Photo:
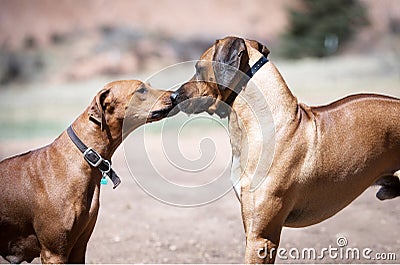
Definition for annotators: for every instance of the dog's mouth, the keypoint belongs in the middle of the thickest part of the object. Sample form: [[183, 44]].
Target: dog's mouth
[[157, 115], [197, 105]]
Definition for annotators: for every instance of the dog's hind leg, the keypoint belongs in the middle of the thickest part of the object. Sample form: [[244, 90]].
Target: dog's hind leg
[[390, 187]]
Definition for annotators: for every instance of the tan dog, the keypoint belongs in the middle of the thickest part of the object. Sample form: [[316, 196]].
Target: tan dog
[[50, 196], [324, 156]]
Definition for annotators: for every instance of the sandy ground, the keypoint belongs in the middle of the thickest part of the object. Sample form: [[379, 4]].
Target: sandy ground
[[133, 227]]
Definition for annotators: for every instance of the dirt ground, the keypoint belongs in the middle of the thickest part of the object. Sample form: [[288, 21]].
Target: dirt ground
[[133, 227]]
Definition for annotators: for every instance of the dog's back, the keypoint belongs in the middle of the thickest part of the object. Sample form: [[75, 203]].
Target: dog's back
[[355, 134], [352, 151]]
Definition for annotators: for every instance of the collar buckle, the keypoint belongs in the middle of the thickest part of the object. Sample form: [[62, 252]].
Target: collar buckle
[[92, 157]]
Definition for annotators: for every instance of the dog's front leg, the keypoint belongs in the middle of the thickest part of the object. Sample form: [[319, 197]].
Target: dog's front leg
[[49, 257], [263, 217], [78, 252]]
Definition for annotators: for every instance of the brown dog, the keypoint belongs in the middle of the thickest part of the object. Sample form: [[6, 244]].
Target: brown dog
[[50, 196], [323, 158]]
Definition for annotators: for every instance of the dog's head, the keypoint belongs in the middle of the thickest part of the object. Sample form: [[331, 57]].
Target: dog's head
[[130, 100], [218, 71]]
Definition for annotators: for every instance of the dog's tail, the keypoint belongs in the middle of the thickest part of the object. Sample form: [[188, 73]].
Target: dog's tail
[[390, 187]]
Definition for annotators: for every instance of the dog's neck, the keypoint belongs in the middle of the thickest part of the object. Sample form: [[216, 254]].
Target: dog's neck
[[105, 142], [280, 99], [260, 116], [267, 91], [263, 109]]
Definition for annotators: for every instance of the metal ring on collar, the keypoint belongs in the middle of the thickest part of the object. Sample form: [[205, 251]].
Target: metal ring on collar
[[109, 167]]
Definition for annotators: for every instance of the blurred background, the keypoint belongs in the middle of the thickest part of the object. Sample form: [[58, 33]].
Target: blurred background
[[46, 44], [55, 56]]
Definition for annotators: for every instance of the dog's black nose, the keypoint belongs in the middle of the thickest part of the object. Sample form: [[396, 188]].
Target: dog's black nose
[[174, 97]]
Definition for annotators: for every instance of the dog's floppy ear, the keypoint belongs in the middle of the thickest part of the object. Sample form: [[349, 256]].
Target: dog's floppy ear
[[260, 47], [96, 110], [230, 56]]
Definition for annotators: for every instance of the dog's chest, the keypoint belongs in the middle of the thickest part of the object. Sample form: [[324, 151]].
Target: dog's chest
[[235, 175], [252, 142], [235, 138]]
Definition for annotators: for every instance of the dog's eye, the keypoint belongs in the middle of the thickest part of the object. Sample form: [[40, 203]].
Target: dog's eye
[[141, 90]]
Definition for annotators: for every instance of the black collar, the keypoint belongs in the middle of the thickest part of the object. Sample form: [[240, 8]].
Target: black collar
[[242, 83], [94, 159]]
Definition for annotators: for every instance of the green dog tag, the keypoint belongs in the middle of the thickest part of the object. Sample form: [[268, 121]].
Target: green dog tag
[[103, 181]]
